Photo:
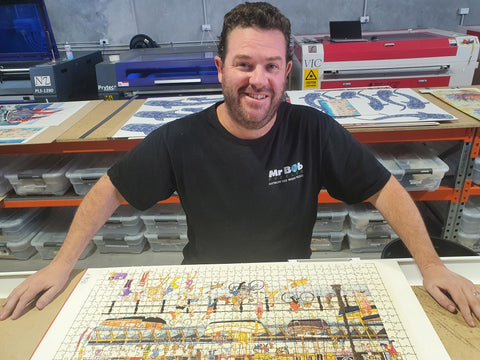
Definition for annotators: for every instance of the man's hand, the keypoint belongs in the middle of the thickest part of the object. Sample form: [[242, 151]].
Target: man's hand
[[44, 284], [453, 291]]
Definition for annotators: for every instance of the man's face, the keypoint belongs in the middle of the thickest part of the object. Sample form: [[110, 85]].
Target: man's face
[[253, 76]]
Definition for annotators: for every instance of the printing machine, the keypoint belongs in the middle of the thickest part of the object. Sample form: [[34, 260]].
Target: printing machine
[[396, 58], [31, 68], [158, 71]]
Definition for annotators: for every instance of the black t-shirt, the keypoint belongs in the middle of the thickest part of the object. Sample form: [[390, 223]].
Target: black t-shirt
[[249, 200]]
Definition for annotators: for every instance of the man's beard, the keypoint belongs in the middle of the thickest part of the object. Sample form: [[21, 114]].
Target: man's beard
[[239, 114]]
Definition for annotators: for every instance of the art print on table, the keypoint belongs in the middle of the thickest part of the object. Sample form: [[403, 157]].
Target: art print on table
[[38, 115], [465, 100], [373, 106], [18, 135], [156, 112]]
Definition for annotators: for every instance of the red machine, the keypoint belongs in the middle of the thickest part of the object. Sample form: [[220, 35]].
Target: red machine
[[397, 58]]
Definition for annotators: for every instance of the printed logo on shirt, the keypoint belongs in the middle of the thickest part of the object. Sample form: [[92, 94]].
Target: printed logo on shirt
[[285, 174]]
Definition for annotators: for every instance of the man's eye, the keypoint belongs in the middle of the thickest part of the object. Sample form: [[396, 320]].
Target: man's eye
[[243, 65]]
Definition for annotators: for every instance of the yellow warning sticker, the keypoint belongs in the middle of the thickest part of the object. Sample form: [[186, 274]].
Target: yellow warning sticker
[[310, 79]]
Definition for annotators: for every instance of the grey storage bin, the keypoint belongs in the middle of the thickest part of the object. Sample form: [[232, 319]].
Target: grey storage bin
[[161, 243], [20, 250], [471, 241], [330, 217], [131, 244], [16, 224], [89, 169], [470, 222], [422, 169], [375, 242], [476, 171], [42, 175], [165, 219], [124, 221], [49, 240], [365, 218], [7, 163], [327, 241]]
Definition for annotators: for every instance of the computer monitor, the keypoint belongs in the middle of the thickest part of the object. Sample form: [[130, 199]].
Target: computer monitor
[[341, 31], [25, 32]]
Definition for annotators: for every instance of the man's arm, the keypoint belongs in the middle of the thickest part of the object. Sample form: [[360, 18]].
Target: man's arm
[[398, 208], [97, 206]]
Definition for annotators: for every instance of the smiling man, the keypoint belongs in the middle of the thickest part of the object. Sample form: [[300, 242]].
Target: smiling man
[[248, 172]]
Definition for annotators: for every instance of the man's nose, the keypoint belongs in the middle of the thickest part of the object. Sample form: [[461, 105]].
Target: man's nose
[[258, 77]]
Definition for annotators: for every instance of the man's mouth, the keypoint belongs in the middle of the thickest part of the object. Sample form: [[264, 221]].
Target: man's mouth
[[257, 96]]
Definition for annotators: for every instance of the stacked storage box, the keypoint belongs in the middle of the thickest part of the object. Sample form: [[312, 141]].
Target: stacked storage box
[[469, 233], [51, 237], [89, 168], [41, 175], [123, 232], [329, 228], [7, 163], [368, 232], [476, 171], [166, 227], [414, 165], [17, 229]]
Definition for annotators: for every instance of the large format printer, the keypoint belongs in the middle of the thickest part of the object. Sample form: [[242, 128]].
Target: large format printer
[[158, 71], [396, 58], [31, 68]]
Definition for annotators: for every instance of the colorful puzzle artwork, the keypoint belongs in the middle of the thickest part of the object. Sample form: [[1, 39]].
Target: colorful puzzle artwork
[[372, 106], [39, 115], [466, 100], [286, 311], [156, 112]]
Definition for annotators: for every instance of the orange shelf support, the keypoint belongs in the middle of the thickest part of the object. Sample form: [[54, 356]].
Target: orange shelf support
[[25, 202]]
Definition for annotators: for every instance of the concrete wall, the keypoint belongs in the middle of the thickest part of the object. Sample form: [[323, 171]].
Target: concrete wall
[[88, 21]]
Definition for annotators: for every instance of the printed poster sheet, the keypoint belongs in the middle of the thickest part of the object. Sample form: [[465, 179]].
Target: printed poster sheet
[[156, 112], [20, 123], [372, 106], [295, 310], [465, 100]]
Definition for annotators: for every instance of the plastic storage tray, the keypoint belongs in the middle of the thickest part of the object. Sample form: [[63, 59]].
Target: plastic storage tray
[[359, 242], [161, 243], [470, 222], [20, 250], [422, 169], [89, 169], [7, 163], [366, 219], [131, 244], [42, 175], [124, 221], [386, 158], [49, 240], [330, 217], [476, 171], [165, 219], [327, 241], [471, 241], [16, 224]]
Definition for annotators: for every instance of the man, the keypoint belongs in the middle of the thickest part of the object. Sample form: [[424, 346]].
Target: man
[[248, 172]]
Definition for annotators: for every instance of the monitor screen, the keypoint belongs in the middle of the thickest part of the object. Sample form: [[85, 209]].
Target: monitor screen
[[345, 30], [25, 32]]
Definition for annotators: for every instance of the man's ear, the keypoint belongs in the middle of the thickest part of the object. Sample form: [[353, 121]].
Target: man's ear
[[288, 68], [219, 65]]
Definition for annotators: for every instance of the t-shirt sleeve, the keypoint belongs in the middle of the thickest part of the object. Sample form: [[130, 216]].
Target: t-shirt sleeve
[[351, 172], [144, 175]]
